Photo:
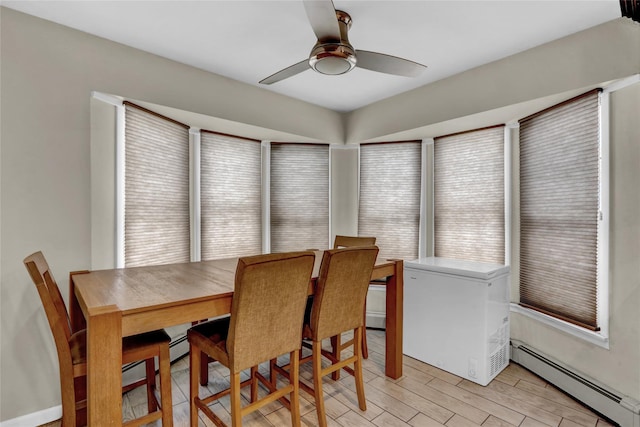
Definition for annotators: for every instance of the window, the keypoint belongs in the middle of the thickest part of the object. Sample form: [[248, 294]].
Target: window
[[229, 196], [158, 209], [389, 206], [469, 207], [299, 196], [156, 189], [559, 210]]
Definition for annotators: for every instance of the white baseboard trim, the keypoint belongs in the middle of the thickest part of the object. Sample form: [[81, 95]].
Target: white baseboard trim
[[619, 408], [35, 418]]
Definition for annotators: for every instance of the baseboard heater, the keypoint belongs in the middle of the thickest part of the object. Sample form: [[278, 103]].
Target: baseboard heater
[[623, 410], [376, 306]]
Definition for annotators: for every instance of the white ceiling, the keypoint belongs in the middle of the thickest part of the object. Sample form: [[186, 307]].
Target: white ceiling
[[250, 40]]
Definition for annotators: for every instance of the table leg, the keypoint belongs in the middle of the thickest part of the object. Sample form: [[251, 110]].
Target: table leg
[[104, 367], [394, 304], [76, 316]]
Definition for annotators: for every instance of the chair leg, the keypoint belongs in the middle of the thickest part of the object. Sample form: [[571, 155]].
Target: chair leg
[[357, 368], [236, 414], [317, 383], [194, 373], [336, 344], [204, 369], [69, 415], [204, 361], [273, 375], [254, 384], [164, 360], [294, 379], [365, 348], [74, 413], [152, 404]]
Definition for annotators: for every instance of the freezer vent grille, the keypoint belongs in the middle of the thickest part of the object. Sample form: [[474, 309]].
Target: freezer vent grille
[[498, 360], [499, 351]]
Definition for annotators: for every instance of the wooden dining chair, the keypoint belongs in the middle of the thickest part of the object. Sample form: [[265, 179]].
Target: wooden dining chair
[[267, 310], [340, 291], [336, 344], [351, 241], [72, 345]]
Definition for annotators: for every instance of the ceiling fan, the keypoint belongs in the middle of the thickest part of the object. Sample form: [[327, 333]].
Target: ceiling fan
[[334, 55]]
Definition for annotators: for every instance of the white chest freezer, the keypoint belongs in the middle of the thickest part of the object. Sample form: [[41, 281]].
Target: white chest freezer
[[456, 316]]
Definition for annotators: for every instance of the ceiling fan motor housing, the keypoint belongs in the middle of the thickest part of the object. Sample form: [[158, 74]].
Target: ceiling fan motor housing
[[334, 57]]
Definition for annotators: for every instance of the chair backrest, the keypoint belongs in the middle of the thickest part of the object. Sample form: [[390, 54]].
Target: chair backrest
[[53, 304], [350, 241], [268, 305], [341, 290]]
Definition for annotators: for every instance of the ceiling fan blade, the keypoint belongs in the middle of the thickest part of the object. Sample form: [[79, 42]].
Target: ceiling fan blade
[[322, 16], [388, 64], [287, 72]]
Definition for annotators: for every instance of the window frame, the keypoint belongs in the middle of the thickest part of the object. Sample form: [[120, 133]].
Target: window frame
[[270, 193], [424, 143], [121, 149], [601, 336], [506, 178], [205, 136]]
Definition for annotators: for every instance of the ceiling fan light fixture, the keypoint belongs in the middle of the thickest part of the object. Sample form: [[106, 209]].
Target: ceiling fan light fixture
[[332, 58], [333, 54]]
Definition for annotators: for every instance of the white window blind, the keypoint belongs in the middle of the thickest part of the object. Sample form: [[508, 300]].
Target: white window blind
[[299, 196], [559, 208], [230, 205], [389, 206], [469, 195], [156, 196]]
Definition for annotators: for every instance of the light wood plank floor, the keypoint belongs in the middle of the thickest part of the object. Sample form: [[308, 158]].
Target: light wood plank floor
[[424, 397]]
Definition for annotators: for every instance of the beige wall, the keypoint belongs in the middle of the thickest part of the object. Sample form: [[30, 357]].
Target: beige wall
[[103, 185], [344, 191], [48, 73]]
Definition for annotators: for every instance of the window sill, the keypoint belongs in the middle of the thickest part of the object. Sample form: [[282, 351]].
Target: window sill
[[598, 338]]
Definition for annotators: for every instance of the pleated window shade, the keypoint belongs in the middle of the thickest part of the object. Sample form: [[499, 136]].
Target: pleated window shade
[[230, 197], [389, 206], [559, 208], [469, 195], [299, 196], [156, 199]]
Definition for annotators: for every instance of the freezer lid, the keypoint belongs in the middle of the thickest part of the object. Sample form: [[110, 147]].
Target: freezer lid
[[458, 267]]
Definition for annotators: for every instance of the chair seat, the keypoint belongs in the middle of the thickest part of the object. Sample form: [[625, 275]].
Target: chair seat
[[78, 343], [211, 337]]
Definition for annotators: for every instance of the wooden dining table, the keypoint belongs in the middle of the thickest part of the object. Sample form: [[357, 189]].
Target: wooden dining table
[[116, 303]]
